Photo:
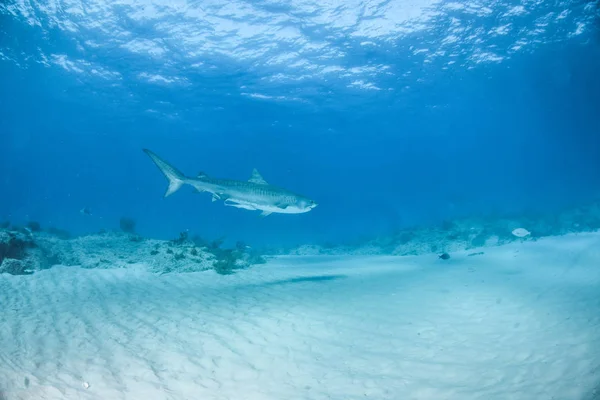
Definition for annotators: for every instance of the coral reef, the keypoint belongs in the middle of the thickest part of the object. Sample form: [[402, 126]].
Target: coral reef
[[22, 253], [17, 253], [34, 226], [127, 225], [228, 260], [14, 267], [14, 245], [465, 234], [23, 250]]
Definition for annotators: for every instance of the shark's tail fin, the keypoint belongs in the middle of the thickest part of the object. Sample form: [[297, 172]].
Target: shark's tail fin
[[175, 177]]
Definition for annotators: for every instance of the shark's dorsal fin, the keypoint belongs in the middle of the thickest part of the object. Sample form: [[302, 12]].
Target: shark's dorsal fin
[[257, 178], [202, 175]]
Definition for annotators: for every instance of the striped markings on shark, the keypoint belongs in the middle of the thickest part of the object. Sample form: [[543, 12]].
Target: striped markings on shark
[[253, 194]]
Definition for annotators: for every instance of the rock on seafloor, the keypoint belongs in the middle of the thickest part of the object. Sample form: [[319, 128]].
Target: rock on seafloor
[[23, 253]]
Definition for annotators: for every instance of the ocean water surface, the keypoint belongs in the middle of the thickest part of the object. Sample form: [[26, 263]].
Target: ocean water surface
[[452, 149]]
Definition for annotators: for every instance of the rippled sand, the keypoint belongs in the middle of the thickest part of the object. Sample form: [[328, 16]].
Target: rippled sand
[[518, 322]]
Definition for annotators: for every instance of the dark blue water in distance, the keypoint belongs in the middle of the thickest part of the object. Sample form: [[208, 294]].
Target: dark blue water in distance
[[387, 115]]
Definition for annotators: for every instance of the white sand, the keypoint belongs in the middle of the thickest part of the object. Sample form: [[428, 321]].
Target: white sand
[[519, 322]]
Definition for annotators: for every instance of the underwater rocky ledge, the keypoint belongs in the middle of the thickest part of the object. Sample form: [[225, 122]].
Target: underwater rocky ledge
[[24, 250], [465, 234]]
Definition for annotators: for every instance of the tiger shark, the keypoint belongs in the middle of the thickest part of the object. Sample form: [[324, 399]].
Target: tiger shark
[[253, 194]]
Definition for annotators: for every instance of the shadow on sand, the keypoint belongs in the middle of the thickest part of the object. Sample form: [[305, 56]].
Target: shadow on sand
[[301, 279]]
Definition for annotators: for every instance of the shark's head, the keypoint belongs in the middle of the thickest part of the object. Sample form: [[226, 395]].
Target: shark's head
[[303, 204]]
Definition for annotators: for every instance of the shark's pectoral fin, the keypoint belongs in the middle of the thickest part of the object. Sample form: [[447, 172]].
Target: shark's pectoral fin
[[232, 203], [265, 213]]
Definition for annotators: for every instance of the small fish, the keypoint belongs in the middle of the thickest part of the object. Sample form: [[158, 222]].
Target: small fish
[[444, 256], [85, 211], [521, 232]]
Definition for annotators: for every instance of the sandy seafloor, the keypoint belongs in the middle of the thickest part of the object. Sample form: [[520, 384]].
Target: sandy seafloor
[[521, 321]]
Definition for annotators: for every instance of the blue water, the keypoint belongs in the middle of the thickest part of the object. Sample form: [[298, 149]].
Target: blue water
[[387, 114]]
